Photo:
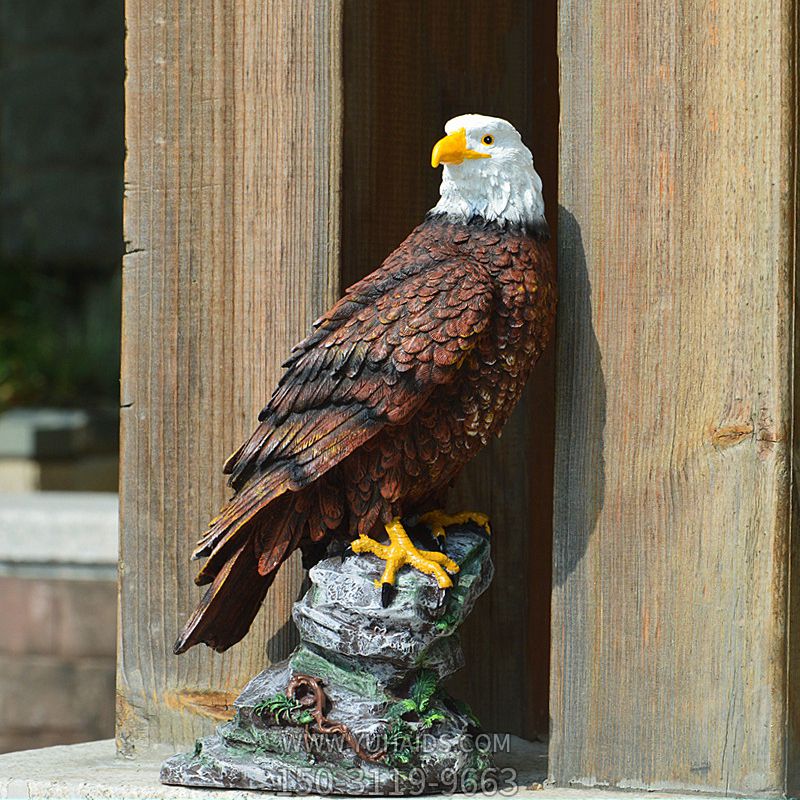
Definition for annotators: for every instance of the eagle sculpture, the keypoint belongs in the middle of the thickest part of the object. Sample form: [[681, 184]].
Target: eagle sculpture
[[396, 388]]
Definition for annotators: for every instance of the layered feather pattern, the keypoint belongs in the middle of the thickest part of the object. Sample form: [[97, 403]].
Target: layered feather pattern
[[378, 409]]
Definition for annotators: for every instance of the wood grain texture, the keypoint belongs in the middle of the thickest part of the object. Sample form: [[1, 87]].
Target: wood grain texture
[[232, 221], [409, 66], [674, 396]]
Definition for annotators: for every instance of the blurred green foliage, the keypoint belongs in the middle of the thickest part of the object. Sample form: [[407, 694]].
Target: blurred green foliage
[[59, 338]]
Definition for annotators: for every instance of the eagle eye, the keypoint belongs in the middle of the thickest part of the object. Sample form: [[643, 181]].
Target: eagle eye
[[488, 139]]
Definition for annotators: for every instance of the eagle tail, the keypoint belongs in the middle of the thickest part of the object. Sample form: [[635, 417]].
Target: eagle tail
[[230, 604], [242, 575]]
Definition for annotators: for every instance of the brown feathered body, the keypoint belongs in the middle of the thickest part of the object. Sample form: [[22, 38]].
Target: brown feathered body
[[398, 386]]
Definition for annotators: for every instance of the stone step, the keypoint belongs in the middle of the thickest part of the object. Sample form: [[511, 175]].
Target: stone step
[[92, 770]]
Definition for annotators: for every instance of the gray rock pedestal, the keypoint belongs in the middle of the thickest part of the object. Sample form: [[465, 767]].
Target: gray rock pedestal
[[381, 724]]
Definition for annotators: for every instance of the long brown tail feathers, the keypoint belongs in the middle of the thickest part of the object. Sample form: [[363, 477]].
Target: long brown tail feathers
[[230, 605], [246, 553]]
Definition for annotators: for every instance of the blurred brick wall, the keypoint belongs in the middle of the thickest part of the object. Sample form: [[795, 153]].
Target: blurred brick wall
[[57, 661], [58, 617]]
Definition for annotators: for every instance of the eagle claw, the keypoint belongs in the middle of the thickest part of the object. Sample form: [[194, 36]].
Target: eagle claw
[[438, 521], [399, 552], [387, 593]]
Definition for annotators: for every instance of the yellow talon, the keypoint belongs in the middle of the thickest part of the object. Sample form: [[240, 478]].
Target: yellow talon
[[400, 551], [437, 521]]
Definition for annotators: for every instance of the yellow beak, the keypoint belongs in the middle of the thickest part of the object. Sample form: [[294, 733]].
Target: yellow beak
[[453, 149]]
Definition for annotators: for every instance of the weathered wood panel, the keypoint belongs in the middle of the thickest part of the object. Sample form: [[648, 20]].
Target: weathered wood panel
[[674, 395], [232, 222], [409, 66]]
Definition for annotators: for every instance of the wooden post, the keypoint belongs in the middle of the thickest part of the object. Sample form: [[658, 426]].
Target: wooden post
[[671, 608], [232, 221]]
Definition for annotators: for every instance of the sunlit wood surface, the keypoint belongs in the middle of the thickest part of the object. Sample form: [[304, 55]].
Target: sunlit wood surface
[[232, 225], [671, 608]]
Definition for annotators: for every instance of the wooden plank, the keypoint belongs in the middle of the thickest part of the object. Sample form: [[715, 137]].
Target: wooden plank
[[674, 396], [409, 66], [232, 221]]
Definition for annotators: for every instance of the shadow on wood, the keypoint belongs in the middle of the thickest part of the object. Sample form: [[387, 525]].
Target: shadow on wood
[[582, 388]]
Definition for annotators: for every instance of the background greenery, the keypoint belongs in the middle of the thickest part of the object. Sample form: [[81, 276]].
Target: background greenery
[[61, 158], [59, 338]]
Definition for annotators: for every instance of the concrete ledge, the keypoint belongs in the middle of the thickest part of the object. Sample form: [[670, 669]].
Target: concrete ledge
[[46, 449], [57, 433], [58, 620], [93, 771], [59, 534]]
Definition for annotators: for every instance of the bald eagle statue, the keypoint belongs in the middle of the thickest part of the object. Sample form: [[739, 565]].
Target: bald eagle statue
[[395, 389]]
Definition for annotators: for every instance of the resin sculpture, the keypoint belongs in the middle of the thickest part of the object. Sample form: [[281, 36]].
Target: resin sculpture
[[397, 387]]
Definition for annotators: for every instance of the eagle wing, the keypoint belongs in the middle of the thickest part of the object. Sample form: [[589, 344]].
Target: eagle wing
[[371, 361]]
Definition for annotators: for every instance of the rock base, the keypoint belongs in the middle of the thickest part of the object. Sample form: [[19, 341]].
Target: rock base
[[358, 708]]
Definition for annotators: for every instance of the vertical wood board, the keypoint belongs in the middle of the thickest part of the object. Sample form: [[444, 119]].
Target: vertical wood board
[[674, 396], [233, 135]]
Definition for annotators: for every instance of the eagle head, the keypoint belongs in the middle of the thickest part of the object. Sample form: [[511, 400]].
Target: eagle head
[[488, 173]]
